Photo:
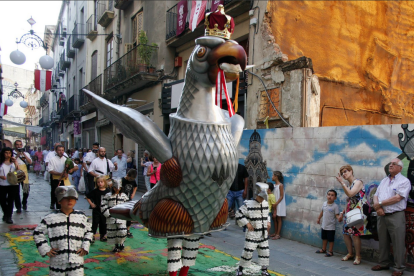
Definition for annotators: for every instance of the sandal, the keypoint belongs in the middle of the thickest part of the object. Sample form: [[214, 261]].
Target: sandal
[[357, 260], [347, 257], [329, 254], [104, 239], [320, 251], [276, 237], [129, 234], [273, 235]]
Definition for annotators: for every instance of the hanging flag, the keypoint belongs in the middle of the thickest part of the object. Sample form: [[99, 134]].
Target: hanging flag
[[43, 80], [198, 10], [215, 4], [3, 110], [182, 16], [77, 129]]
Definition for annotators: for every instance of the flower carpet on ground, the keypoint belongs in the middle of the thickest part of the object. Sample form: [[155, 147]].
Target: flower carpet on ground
[[142, 256]]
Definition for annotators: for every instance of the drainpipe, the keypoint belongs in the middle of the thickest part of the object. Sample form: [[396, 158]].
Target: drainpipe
[[304, 106]]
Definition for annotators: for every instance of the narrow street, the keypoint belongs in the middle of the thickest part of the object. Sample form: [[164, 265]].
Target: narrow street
[[218, 255]]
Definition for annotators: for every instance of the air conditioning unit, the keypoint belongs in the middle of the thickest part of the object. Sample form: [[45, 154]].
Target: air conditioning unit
[[61, 41], [64, 32]]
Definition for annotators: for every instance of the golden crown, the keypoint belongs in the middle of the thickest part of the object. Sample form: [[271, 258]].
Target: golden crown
[[219, 24]]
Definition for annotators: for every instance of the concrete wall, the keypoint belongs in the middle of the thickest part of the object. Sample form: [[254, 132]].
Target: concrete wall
[[310, 159]]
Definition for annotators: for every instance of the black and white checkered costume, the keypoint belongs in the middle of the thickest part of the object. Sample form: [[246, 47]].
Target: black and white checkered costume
[[189, 246], [258, 215], [68, 234], [116, 228]]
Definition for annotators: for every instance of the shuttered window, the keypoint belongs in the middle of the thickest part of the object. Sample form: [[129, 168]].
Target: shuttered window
[[94, 67], [137, 26], [107, 140]]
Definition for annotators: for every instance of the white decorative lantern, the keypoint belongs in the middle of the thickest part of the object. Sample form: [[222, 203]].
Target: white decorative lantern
[[23, 104], [46, 62], [17, 57], [8, 102]]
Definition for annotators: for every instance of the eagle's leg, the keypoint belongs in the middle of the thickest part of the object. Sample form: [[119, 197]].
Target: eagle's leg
[[221, 217]]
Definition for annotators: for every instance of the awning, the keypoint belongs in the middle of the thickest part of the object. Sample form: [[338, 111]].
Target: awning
[[15, 131], [36, 129]]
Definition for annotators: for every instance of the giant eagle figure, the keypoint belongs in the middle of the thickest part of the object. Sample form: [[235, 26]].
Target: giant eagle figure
[[200, 154]]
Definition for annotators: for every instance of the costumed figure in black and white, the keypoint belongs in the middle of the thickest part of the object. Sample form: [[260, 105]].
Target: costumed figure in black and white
[[69, 233], [255, 215], [116, 228]]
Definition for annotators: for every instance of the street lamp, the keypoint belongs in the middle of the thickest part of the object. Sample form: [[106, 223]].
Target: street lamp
[[33, 41], [16, 94]]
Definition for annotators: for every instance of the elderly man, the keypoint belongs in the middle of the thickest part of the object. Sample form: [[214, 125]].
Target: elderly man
[[122, 164], [390, 201], [101, 165], [23, 159]]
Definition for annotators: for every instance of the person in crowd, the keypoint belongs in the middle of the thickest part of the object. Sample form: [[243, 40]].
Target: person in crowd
[[355, 192], [37, 166], [50, 155], [154, 172], [69, 234], [238, 190], [75, 153], [8, 163], [329, 214], [62, 99], [95, 198], [85, 151], [279, 193], [271, 201], [90, 156], [76, 176], [390, 201], [58, 172], [145, 164], [121, 171], [101, 165], [45, 152], [117, 231], [39, 156], [131, 160], [23, 158], [254, 215], [130, 188], [32, 154]]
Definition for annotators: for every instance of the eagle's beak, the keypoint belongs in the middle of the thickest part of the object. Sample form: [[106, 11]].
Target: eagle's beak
[[230, 57]]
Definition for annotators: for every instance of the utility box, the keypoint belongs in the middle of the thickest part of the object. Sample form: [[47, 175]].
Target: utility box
[[178, 62]]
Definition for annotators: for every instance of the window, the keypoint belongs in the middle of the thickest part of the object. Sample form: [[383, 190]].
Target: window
[[94, 66], [74, 87], [109, 51], [137, 26], [80, 79]]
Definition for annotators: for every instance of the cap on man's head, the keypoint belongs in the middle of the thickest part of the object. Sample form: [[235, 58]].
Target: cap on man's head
[[65, 191]]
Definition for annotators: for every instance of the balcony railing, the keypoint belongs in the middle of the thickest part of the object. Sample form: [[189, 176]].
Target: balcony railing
[[83, 99], [105, 12], [73, 104], [70, 52], [95, 85], [62, 111], [78, 35], [172, 15], [44, 100], [141, 59], [64, 61], [122, 4], [91, 28]]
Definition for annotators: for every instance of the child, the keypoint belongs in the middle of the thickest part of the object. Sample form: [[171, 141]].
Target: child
[[254, 215], [279, 193], [77, 174], [329, 211], [116, 228], [130, 187], [69, 235], [271, 199], [95, 198], [37, 166]]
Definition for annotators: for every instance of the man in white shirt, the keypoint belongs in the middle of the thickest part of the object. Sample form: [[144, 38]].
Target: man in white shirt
[[56, 167], [90, 156], [122, 165], [101, 165], [390, 201], [23, 159], [75, 154], [49, 156]]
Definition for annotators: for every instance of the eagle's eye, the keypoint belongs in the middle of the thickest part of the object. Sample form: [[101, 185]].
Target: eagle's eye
[[201, 51]]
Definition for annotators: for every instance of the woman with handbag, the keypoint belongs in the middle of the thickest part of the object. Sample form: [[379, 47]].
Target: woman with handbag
[[356, 200], [154, 172]]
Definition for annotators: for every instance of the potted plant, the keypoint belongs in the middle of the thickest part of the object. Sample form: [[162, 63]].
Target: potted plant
[[145, 51]]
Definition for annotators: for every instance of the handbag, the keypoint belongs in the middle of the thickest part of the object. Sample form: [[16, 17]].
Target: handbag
[[81, 186], [354, 218]]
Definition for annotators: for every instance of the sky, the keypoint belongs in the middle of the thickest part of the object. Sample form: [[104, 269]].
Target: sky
[[13, 24]]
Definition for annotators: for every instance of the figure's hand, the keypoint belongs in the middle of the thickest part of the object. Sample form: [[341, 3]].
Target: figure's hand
[[380, 212], [250, 227], [318, 221], [52, 252], [81, 252], [341, 217], [274, 214], [377, 206], [339, 178], [244, 194], [93, 205]]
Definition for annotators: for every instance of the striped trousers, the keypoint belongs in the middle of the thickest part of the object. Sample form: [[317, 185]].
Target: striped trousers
[[250, 245], [116, 232], [66, 269], [176, 259]]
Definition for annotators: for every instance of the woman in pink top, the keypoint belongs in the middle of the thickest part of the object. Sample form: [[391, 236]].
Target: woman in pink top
[[154, 172]]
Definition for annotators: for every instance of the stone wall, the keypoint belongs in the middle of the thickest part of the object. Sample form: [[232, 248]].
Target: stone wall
[[310, 159]]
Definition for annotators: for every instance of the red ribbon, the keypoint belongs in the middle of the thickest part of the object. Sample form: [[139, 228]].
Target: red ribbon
[[220, 87]]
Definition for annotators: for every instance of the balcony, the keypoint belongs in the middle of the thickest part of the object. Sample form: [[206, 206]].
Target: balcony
[[70, 52], [62, 112], [78, 35], [91, 28], [132, 71], [122, 4], [105, 12], [64, 61], [94, 86], [233, 8], [44, 100]]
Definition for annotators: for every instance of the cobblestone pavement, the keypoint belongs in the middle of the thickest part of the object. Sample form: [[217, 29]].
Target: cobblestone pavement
[[286, 257]]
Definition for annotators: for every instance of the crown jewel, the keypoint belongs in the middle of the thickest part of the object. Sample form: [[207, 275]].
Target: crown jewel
[[219, 24]]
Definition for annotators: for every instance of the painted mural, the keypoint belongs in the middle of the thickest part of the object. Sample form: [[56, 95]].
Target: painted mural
[[310, 159]]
